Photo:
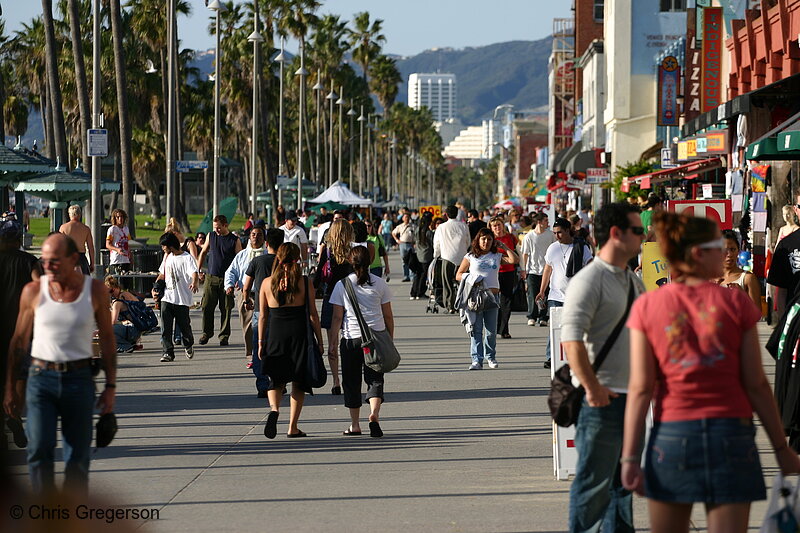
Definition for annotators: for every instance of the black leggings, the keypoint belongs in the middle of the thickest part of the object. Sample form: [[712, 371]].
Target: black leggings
[[507, 282], [352, 358], [420, 281]]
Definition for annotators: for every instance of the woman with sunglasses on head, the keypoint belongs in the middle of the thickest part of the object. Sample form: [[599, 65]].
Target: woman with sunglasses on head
[[507, 275], [486, 256], [733, 276], [126, 334], [695, 352], [117, 240]]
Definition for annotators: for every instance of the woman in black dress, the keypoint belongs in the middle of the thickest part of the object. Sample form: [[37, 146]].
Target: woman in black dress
[[283, 306]]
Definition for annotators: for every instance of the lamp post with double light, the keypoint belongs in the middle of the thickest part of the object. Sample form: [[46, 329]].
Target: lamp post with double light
[[332, 96], [301, 73], [281, 58], [317, 88], [217, 7], [341, 103], [361, 119], [256, 39]]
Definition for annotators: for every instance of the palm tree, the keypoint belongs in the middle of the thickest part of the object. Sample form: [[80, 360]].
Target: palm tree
[[384, 80], [81, 86], [122, 110], [53, 83], [366, 40]]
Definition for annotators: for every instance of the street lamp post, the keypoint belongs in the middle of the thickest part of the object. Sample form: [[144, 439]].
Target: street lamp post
[[340, 102], [256, 39], [170, 185], [350, 113], [302, 73], [332, 96], [318, 88], [361, 119], [216, 6], [280, 58], [97, 202]]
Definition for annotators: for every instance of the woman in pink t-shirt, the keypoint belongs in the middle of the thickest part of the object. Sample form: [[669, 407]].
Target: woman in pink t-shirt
[[695, 353]]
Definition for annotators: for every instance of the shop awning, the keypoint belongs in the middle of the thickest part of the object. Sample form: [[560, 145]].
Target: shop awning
[[687, 171], [564, 156], [785, 146], [582, 161]]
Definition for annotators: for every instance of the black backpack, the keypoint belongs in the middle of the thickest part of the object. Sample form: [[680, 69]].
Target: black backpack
[[576, 257], [142, 317]]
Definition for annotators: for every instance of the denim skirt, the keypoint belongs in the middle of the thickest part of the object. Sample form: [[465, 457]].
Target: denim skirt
[[713, 460]]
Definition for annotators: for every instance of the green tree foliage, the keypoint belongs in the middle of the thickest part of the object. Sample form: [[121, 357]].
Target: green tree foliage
[[628, 170]]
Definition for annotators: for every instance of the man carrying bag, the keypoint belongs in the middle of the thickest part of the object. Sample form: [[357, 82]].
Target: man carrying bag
[[597, 301]]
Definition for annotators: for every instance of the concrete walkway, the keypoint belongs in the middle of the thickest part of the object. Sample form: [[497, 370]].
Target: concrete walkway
[[463, 451]]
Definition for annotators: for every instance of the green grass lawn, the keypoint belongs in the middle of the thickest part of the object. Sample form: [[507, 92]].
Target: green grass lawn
[[40, 227]]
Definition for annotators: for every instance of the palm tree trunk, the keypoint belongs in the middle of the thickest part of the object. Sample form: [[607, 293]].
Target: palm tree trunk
[[49, 135], [124, 120], [81, 84], [51, 63], [270, 174]]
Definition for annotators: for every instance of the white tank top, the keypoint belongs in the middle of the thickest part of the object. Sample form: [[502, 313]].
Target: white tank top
[[62, 331]]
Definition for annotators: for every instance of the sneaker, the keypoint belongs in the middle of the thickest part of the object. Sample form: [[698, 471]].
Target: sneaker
[[137, 347], [412, 297], [531, 322], [493, 364], [543, 323], [475, 366], [405, 280], [249, 365], [189, 352], [547, 364], [203, 340], [167, 358]]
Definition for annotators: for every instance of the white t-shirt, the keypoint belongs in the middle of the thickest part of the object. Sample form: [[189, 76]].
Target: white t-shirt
[[370, 298], [557, 256], [488, 266], [178, 271], [296, 235], [535, 245], [119, 238]]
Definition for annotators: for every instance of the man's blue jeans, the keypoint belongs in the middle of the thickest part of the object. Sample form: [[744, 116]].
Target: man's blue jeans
[[596, 496], [262, 381], [405, 249], [550, 305], [485, 323], [70, 395], [533, 282]]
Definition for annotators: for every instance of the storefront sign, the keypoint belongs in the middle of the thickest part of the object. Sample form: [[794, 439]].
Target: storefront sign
[[717, 142], [691, 148], [708, 191], [435, 210], [711, 84], [717, 210], [669, 76], [595, 176], [683, 150], [701, 145], [692, 68]]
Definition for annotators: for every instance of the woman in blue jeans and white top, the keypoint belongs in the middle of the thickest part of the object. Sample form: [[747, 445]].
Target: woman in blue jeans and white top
[[485, 258], [374, 300]]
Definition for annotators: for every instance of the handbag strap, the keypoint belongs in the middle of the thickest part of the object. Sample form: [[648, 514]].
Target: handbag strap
[[366, 335], [601, 355]]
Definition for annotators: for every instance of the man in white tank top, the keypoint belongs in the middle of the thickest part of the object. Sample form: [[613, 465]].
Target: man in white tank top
[[60, 312]]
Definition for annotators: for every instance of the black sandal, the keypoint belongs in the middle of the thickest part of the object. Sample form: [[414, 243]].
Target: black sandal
[[271, 427], [375, 430], [350, 433]]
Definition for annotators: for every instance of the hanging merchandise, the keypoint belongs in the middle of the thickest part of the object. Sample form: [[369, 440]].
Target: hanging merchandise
[[758, 177]]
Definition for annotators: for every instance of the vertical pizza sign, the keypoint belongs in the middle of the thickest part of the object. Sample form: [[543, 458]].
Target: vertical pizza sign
[[669, 75], [711, 81]]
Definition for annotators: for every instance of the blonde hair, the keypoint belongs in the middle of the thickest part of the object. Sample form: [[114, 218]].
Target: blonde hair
[[112, 283], [173, 226], [788, 215], [74, 211], [339, 238]]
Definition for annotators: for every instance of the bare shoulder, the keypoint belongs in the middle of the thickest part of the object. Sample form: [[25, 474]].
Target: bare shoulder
[[30, 293]]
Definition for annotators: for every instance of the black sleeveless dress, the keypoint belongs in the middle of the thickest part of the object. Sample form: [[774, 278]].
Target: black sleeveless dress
[[286, 354]]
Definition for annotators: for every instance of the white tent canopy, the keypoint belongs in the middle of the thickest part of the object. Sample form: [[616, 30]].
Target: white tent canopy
[[339, 193]]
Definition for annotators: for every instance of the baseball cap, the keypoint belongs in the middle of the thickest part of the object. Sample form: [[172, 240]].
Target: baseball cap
[[259, 223], [291, 215], [106, 429], [10, 229]]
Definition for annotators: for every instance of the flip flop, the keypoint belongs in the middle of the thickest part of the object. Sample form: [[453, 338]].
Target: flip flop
[[297, 435], [271, 427], [350, 433], [375, 430]]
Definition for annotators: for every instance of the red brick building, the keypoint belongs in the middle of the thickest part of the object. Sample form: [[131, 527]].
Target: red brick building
[[588, 27]]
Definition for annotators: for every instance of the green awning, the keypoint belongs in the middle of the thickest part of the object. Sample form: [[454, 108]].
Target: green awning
[[767, 150], [789, 140]]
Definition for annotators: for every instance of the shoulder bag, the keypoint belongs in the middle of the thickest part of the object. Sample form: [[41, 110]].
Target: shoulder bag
[[380, 353], [565, 399], [316, 374]]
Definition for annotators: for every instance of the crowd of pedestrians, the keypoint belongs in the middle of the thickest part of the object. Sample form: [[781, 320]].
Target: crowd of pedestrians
[[689, 349]]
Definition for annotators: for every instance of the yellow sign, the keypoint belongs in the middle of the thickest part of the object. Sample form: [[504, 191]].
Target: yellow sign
[[435, 210], [654, 266], [691, 148], [683, 151]]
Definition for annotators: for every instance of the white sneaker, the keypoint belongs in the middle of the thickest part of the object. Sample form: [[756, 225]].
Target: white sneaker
[[531, 322], [189, 352], [493, 364], [475, 366], [411, 298]]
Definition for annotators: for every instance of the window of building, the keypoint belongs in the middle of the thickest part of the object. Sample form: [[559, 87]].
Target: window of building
[[597, 10], [673, 5]]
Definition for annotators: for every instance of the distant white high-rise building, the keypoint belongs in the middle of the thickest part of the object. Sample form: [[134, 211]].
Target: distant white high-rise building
[[437, 92]]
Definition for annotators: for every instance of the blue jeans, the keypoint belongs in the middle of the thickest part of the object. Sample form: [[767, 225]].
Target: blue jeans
[[533, 283], [551, 304], [126, 336], [483, 338], [405, 249], [596, 496], [70, 395], [262, 381], [378, 271]]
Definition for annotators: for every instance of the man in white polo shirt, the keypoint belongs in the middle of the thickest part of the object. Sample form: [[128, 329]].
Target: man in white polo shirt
[[294, 232]]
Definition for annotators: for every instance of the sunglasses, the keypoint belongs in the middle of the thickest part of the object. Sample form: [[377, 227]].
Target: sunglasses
[[718, 244], [637, 230]]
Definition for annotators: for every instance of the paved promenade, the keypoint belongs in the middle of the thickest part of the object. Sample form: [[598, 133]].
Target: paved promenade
[[463, 451]]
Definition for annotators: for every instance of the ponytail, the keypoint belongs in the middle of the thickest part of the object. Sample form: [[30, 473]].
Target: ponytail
[[286, 273], [678, 234], [359, 259]]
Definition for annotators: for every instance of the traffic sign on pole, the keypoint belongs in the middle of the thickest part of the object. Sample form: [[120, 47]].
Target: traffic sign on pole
[[98, 142], [186, 166]]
